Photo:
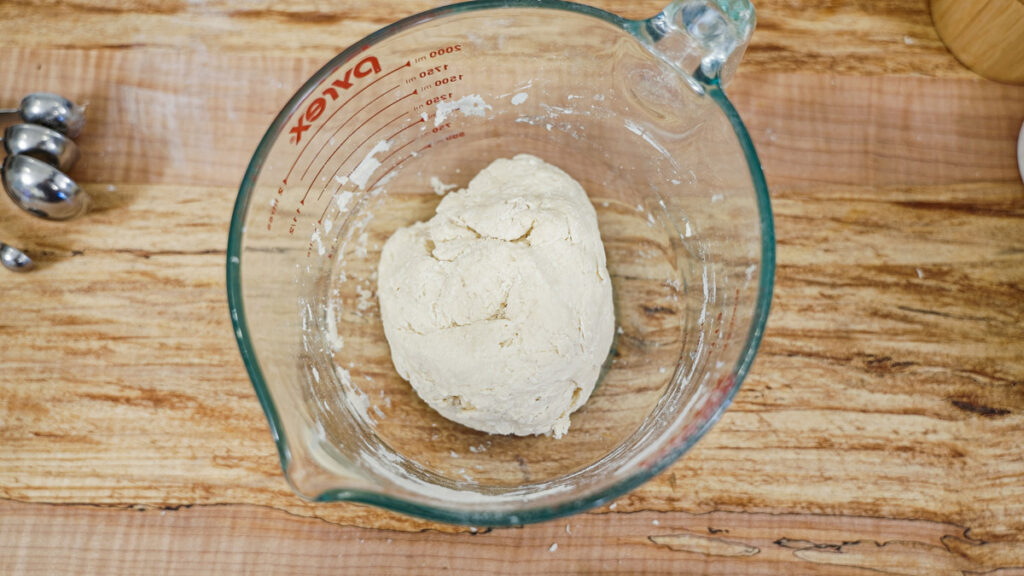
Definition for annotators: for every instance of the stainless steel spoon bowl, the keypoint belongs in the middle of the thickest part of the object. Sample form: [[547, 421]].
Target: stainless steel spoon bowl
[[51, 110], [43, 143], [14, 259], [42, 189]]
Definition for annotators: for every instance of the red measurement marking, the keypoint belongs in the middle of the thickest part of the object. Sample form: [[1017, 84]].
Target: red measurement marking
[[335, 133], [273, 211], [350, 134], [370, 137], [342, 164], [420, 121], [397, 164], [354, 148], [321, 127], [324, 213], [336, 190], [385, 159]]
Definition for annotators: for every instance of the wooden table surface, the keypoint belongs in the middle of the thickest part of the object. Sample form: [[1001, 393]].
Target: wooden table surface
[[880, 430]]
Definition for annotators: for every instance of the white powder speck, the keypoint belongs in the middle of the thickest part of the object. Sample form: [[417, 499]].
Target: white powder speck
[[365, 299], [453, 454], [316, 373], [343, 199], [613, 506], [908, 41], [568, 530], [320, 248], [440, 188], [334, 340], [556, 110], [361, 245], [519, 98], [553, 547], [472, 105], [688, 231], [358, 403], [619, 330], [365, 169], [662, 370], [920, 273], [655, 522], [717, 198]]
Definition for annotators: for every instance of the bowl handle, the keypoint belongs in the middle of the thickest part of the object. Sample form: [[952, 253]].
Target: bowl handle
[[703, 39]]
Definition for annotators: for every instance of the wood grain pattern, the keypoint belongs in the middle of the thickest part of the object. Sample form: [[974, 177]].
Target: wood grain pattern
[[256, 540], [878, 432], [857, 38]]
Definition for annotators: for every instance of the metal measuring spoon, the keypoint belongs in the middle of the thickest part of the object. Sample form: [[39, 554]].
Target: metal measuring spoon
[[50, 110], [43, 143], [14, 259], [42, 189]]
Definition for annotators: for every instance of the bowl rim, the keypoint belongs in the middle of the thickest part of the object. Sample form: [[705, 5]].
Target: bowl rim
[[766, 277]]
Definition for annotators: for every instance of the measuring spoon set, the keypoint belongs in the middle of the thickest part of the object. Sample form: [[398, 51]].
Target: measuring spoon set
[[39, 152]]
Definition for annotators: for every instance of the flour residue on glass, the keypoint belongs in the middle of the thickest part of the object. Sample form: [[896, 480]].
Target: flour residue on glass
[[471, 105], [361, 175], [440, 188]]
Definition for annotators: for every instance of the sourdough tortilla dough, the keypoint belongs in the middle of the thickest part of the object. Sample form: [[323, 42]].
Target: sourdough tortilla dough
[[498, 310]]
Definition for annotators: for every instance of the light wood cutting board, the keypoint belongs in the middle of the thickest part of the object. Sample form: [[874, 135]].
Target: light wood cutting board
[[879, 431]]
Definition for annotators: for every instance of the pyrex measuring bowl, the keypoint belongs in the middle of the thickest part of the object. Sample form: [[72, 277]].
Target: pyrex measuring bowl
[[634, 111]]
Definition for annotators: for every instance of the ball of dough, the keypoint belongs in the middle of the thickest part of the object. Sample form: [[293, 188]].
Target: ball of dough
[[498, 310]]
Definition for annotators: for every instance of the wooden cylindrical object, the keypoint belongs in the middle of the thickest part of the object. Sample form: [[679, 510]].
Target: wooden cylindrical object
[[987, 36]]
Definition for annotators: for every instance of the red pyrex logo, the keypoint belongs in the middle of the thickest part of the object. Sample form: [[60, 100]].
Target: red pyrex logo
[[315, 109]]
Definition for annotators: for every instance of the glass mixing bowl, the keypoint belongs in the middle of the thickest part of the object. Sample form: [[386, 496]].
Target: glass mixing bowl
[[634, 111]]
